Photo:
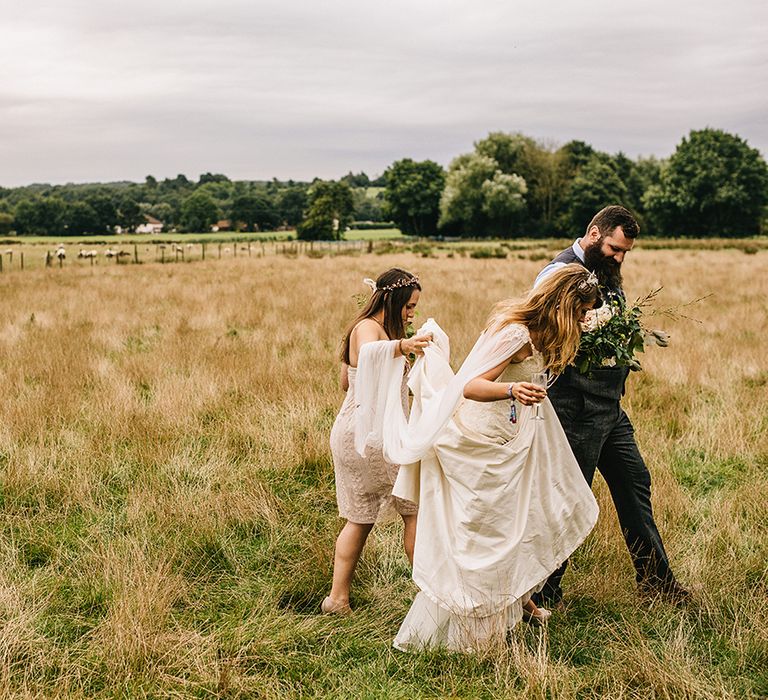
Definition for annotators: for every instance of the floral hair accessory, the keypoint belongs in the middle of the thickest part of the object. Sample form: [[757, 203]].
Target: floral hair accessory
[[586, 284], [412, 282]]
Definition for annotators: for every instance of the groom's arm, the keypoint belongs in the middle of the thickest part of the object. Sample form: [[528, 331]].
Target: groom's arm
[[546, 272]]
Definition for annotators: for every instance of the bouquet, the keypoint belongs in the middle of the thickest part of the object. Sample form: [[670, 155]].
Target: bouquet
[[614, 334]]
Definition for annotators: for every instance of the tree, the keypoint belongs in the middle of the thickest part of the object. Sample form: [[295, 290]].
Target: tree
[[575, 155], [330, 211], [291, 203], [44, 216], [596, 185], [106, 213], [6, 223], [412, 195], [361, 180], [164, 212], [541, 166], [368, 204], [82, 218], [714, 185], [180, 182], [129, 214], [212, 177], [199, 212], [479, 198], [255, 211], [510, 151]]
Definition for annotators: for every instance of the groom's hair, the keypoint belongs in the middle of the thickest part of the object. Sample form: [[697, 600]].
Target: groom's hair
[[610, 217]]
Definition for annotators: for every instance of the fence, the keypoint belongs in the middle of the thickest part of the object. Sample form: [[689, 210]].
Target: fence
[[32, 256]]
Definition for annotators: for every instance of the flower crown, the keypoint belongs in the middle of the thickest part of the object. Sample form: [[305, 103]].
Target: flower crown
[[404, 282], [586, 284]]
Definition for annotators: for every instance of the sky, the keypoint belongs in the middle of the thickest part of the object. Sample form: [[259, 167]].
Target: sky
[[105, 90]]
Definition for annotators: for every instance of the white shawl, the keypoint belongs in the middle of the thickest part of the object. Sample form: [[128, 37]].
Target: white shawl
[[437, 392]]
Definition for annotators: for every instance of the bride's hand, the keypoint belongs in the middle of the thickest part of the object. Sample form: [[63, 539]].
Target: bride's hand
[[527, 393]]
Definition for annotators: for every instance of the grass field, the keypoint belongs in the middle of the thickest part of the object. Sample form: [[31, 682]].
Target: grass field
[[167, 513], [219, 236]]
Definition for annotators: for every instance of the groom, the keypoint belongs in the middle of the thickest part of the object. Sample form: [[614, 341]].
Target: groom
[[599, 432]]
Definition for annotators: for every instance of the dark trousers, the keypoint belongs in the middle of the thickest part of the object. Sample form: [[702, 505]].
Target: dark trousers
[[602, 437]]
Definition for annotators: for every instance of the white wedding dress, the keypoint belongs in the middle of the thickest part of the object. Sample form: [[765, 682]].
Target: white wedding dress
[[502, 505]]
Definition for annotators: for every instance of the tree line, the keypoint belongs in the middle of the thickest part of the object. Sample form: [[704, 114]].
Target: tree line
[[714, 184]]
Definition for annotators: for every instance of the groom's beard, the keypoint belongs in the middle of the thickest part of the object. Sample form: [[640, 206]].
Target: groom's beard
[[608, 271]]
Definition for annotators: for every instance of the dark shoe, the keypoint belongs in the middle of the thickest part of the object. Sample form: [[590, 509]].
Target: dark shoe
[[554, 604], [671, 592]]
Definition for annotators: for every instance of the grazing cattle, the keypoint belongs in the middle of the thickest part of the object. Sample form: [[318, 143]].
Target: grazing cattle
[[87, 254], [61, 253]]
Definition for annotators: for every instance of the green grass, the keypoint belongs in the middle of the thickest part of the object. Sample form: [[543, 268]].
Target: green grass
[[374, 234], [221, 236], [167, 510]]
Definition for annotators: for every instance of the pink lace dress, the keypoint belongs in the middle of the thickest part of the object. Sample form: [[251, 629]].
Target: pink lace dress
[[363, 484]]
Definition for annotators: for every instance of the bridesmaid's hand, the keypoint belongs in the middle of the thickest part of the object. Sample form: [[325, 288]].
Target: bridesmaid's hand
[[528, 394], [415, 344]]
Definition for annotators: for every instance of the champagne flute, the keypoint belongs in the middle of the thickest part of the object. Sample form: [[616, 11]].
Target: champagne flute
[[539, 379]]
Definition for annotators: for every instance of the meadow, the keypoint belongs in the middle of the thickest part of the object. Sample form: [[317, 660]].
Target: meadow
[[167, 513]]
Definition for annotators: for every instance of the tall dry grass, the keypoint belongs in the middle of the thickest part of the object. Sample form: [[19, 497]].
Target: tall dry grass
[[168, 512]]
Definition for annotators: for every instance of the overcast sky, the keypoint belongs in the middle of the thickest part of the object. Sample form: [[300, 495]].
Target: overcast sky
[[102, 90]]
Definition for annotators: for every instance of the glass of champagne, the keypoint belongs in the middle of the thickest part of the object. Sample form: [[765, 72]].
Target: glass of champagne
[[539, 379]]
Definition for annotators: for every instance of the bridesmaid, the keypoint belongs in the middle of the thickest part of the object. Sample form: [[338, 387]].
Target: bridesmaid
[[364, 484]]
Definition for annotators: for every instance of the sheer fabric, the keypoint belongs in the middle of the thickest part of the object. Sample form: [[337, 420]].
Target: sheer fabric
[[501, 504]]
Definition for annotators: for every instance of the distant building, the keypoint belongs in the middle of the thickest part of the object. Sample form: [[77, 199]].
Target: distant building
[[150, 225], [223, 225]]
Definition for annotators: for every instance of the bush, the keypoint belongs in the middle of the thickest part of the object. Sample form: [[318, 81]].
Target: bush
[[489, 253], [372, 225]]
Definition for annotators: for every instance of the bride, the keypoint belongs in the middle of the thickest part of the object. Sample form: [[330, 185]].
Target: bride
[[502, 501]]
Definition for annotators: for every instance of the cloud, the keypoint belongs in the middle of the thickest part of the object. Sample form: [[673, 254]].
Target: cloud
[[296, 89]]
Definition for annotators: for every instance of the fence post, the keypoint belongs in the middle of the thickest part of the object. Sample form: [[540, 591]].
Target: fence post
[[21, 259], [135, 254], [219, 251], [203, 250]]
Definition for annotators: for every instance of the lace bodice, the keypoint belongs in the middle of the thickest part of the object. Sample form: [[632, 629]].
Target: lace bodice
[[490, 419]]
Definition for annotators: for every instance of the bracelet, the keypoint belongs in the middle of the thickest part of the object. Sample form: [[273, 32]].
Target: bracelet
[[400, 346], [512, 406]]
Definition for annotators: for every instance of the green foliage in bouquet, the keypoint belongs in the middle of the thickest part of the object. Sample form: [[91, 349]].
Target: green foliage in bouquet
[[614, 334]]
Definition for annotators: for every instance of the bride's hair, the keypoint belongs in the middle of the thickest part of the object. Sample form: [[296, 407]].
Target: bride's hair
[[552, 311], [393, 291]]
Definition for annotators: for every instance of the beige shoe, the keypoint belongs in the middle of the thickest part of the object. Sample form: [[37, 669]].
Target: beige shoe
[[539, 618]]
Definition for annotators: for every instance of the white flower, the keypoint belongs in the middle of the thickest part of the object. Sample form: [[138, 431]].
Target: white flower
[[609, 362], [595, 318]]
